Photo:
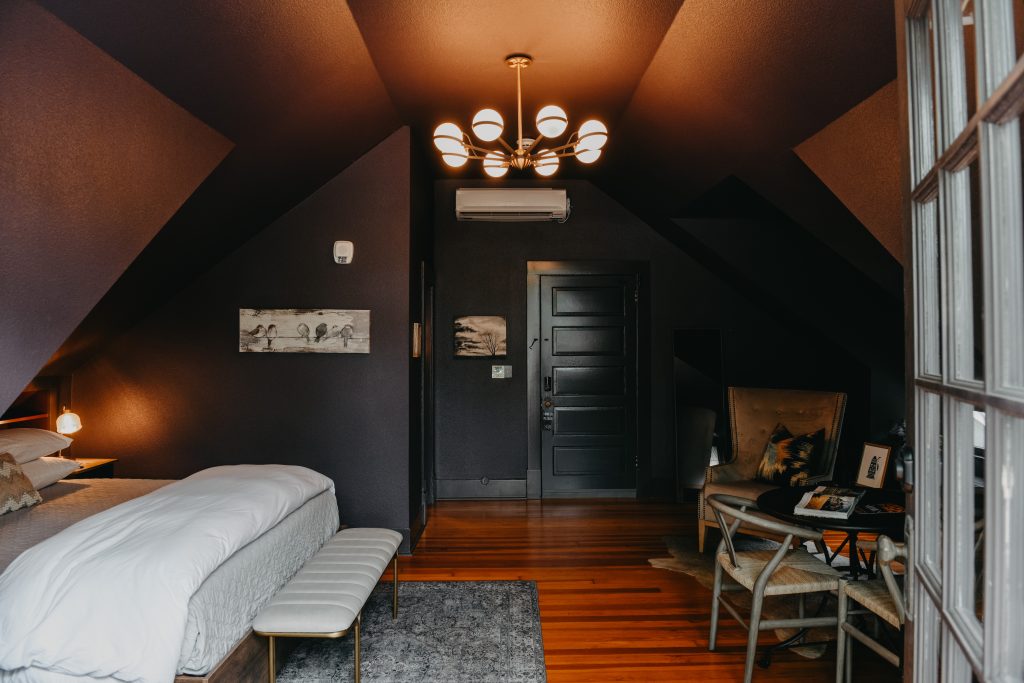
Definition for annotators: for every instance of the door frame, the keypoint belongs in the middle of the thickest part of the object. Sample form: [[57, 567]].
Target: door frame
[[534, 271]]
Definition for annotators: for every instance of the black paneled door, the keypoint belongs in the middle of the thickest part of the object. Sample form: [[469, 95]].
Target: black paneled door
[[588, 383]]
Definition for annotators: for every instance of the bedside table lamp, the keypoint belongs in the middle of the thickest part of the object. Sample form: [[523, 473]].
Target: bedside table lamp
[[67, 423]]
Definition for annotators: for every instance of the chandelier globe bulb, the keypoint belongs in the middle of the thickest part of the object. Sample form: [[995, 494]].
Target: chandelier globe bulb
[[455, 159], [587, 156], [546, 163], [495, 165], [448, 139], [592, 135], [488, 124], [552, 121]]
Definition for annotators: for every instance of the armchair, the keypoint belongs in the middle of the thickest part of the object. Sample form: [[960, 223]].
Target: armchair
[[753, 414]]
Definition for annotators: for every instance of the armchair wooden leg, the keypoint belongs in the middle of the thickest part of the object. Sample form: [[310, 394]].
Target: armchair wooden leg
[[701, 528], [715, 593], [841, 637], [754, 631]]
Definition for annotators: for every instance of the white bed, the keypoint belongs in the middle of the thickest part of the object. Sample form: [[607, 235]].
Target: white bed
[[219, 611]]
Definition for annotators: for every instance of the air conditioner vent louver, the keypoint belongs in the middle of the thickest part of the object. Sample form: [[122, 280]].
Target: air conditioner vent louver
[[512, 204]]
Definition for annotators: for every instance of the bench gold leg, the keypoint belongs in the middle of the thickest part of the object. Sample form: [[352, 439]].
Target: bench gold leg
[[359, 619], [271, 659], [394, 598]]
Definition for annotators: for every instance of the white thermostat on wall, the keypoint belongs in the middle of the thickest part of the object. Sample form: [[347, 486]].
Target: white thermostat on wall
[[343, 252]]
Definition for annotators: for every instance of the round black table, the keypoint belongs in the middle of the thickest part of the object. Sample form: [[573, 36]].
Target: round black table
[[781, 501]]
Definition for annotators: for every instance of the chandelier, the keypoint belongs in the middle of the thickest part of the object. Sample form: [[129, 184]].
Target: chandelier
[[457, 147]]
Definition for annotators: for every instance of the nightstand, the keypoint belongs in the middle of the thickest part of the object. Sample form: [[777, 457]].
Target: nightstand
[[94, 468]]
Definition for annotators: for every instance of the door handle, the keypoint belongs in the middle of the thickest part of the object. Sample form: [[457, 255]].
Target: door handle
[[547, 383]]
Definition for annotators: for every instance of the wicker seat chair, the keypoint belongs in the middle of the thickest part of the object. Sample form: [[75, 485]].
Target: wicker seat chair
[[786, 571], [882, 598], [753, 415]]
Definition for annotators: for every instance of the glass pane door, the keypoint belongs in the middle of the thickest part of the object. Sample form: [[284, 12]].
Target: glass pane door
[[965, 96]]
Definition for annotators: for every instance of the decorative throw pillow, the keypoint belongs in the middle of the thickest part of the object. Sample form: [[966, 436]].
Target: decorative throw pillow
[[788, 459], [16, 491]]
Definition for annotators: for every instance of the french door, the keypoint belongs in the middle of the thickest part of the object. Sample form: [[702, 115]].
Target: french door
[[965, 95]]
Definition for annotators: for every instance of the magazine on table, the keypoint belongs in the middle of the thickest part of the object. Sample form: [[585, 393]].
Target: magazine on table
[[828, 501]]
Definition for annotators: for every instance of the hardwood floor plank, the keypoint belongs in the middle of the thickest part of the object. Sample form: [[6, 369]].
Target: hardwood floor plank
[[606, 614]]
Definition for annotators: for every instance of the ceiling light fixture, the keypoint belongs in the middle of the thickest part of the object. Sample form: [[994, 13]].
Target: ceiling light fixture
[[457, 148]]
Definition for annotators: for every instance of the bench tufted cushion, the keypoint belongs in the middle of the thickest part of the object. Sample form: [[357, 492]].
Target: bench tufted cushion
[[327, 594]]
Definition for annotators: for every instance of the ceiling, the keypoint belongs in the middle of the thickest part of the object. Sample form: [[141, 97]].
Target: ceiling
[[693, 92]]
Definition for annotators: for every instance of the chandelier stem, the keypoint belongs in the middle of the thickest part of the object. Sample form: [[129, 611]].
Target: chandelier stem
[[519, 101]]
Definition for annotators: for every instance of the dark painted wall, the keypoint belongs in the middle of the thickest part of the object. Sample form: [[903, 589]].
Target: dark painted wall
[[174, 395], [93, 162], [481, 269]]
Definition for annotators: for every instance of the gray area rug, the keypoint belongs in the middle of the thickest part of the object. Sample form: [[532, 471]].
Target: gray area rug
[[686, 560], [446, 632]]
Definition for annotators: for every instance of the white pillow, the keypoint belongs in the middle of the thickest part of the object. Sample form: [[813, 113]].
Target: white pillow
[[28, 444], [45, 471]]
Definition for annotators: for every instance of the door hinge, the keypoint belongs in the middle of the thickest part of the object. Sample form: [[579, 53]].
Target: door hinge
[[636, 293]]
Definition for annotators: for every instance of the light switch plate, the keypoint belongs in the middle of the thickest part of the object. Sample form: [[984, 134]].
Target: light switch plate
[[501, 371]]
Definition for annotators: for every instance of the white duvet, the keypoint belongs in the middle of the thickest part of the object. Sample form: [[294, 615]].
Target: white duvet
[[107, 598]]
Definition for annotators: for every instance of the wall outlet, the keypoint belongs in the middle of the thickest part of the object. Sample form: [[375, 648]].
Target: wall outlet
[[501, 372]]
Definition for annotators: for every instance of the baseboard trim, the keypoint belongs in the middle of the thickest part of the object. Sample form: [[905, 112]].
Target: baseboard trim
[[475, 488], [592, 493]]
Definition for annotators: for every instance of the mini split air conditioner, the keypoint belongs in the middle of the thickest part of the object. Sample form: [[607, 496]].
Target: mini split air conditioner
[[511, 204]]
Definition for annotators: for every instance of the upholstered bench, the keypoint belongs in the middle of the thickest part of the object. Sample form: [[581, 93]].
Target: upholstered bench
[[325, 598]]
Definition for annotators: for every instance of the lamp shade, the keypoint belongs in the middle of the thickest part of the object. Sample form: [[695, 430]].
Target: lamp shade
[[448, 139], [68, 422], [592, 135], [495, 165], [487, 124], [546, 163], [551, 121]]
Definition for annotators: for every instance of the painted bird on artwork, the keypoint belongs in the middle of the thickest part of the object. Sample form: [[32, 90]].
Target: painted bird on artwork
[[271, 334], [258, 332], [321, 330], [303, 329]]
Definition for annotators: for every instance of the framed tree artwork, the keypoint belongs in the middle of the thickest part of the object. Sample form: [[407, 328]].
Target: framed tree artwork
[[480, 336]]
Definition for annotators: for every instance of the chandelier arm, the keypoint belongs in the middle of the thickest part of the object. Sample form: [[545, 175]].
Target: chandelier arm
[[561, 147], [533, 144], [506, 145], [470, 145]]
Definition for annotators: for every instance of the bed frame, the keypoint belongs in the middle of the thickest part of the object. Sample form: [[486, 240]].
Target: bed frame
[[246, 662]]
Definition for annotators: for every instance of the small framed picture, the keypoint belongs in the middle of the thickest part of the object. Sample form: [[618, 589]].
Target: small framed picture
[[873, 463]]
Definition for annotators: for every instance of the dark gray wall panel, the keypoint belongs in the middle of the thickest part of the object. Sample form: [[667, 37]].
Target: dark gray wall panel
[[174, 395]]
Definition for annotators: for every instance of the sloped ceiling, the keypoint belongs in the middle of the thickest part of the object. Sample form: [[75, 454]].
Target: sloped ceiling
[[291, 83], [735, 81], [858, 157], [94, 163]]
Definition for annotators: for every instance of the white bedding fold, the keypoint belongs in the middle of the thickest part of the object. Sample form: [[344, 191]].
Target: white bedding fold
[[108, 596]]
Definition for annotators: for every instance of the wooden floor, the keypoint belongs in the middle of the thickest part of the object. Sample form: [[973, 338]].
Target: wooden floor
[[606, 614]]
